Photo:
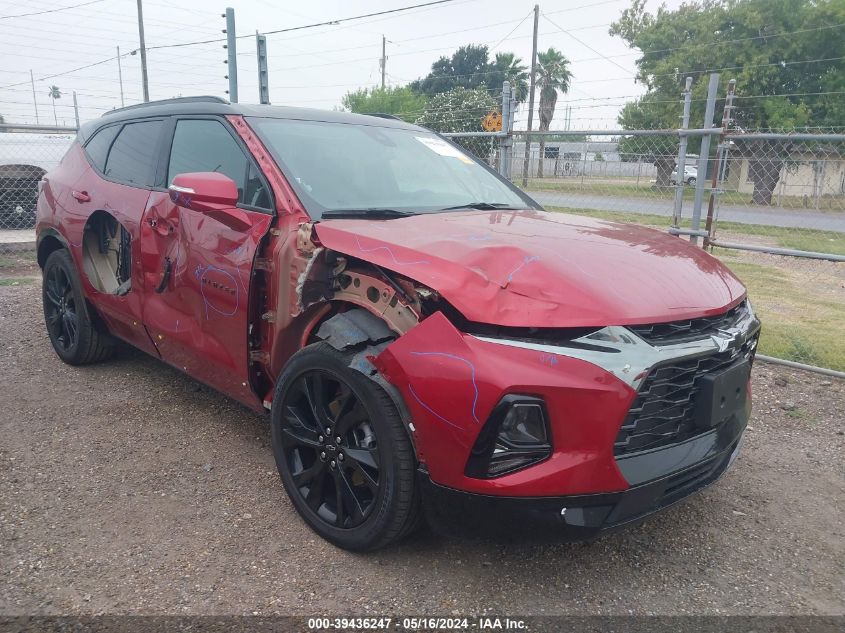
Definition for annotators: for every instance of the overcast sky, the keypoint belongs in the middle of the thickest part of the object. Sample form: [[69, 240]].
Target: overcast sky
[[310, 68]]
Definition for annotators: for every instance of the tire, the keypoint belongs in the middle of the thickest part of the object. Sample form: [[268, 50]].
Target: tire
[[359, 493], [691, 182], [72, 332]]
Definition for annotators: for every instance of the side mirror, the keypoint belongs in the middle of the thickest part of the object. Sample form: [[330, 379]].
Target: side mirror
[[211, 193], [203, 191]]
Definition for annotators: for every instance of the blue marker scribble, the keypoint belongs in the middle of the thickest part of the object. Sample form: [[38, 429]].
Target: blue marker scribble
[[200, 272], [528, 259], [390, 252], [471, 368], [180, 198], [549, 359], [429, 409], [238, 251]]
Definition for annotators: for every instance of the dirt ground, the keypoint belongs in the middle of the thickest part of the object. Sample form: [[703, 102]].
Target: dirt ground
[[127, 488]]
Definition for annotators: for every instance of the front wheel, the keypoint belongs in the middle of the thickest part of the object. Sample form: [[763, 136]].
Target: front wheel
[[342, 451], [691, 182]]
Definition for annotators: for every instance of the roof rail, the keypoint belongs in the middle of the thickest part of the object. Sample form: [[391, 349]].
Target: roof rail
[[174, 100], [383, 115]]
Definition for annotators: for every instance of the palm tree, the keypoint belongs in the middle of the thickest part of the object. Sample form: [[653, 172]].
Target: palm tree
[[552, 75], [54, 94], [514, 71]]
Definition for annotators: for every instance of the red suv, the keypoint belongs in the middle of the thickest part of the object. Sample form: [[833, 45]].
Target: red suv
[[428, 341]]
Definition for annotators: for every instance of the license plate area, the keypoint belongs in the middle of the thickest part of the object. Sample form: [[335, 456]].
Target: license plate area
[[721, 395]]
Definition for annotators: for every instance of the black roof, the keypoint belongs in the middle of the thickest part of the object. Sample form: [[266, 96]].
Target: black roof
[[217, 106]]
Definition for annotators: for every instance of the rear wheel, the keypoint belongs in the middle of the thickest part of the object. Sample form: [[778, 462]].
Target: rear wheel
[[69, 325], [342, 451], [691, 182]]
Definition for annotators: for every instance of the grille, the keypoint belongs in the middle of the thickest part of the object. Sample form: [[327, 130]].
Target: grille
[[690, 329], [663, 412]]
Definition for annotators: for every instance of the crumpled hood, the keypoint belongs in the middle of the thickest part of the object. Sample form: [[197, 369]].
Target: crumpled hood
[[537, 269]]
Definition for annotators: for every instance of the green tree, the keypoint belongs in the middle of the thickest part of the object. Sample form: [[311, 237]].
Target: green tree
[[650, 113], [470, 67], [553, 75], [54, 94], [399, 101], [510, 68], [460, 110], [784, 55]]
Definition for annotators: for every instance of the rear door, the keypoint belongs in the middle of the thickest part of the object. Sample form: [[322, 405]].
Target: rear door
[[197, 270], [123, 161]]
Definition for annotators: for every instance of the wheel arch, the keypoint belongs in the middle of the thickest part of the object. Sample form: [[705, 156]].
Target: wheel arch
[[49, 240], [349, 327]]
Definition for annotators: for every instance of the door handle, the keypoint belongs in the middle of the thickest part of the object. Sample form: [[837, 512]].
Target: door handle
[[81, 196]]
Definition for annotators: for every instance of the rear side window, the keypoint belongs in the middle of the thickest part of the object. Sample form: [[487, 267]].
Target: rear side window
[[99, 144], [132, 157], [204, 145]]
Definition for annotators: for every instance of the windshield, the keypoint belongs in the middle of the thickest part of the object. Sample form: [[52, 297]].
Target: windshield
[[342, 168]]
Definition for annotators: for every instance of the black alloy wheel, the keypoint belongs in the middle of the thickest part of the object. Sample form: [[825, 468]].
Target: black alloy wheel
[[76, 339], [60, 309], [332, 449], [343, 452]]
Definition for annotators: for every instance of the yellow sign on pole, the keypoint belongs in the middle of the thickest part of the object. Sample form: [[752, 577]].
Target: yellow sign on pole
[[492, 122]]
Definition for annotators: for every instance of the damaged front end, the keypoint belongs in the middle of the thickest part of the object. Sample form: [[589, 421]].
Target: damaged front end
[[452, 388]]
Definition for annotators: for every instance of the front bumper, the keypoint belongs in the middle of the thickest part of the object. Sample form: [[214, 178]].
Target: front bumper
[[582, 517]]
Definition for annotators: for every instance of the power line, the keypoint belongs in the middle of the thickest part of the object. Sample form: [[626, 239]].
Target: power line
[[310, 26], [584, 44], [67, 72], [74, 6]]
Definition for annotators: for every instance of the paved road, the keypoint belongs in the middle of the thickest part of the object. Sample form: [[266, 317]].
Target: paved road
[[772, 216]]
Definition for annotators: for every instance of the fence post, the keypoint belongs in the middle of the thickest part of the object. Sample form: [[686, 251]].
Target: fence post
[[75, 110], [703, 156], [682, 157], [505, 142], [721, 155]]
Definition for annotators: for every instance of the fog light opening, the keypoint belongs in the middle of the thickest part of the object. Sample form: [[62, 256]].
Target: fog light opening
[[516, 435]]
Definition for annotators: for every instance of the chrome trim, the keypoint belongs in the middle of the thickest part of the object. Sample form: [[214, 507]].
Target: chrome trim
[[629, 357], [180, 189]]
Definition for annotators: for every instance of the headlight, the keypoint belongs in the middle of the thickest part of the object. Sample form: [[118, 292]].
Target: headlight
[[515, 435]]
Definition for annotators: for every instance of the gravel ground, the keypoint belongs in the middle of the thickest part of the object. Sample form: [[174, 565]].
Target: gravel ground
[[128, 488]]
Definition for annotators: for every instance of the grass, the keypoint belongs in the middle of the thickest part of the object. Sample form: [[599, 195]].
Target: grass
[[798, 323], [800, 239], [17, 259], [16, 281], [647, 190]]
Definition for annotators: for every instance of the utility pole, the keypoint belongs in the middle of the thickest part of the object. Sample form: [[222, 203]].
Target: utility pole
[[120, 77], [143, 48], [34, 101], [383, 59], [232, 58], [263, 78], [530, 97], [75, 110]]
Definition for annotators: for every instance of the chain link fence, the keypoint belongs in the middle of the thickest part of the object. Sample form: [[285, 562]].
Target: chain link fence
[[26, 154], [771, 206]]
